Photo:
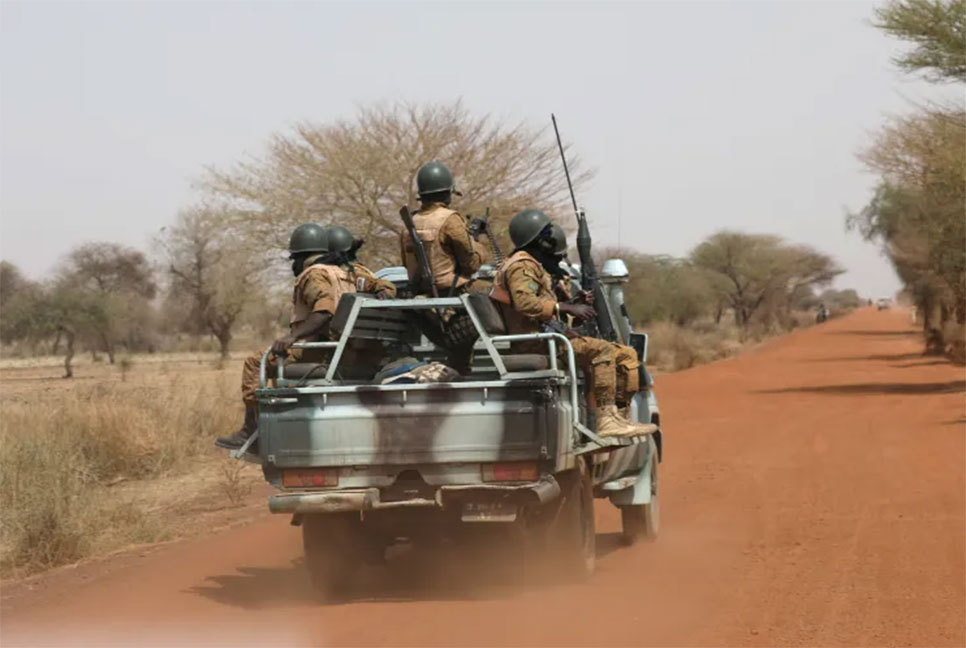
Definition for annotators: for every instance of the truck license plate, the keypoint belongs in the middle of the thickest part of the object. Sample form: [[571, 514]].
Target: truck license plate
[[489, 512]]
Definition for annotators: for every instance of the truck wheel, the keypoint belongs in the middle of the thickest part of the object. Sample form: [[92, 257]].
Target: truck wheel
[[574, 532], [332, 554], [642, 521]]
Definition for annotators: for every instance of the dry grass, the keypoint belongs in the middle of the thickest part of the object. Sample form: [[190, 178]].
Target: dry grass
[[81, 460], [672, 347]]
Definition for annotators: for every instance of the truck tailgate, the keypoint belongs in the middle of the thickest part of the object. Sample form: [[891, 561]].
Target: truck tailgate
[[408, 424]]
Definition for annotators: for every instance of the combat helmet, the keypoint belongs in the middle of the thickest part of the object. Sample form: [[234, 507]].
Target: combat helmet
[[434, 179], [309, 237], [338, 239], [559, 237], [526, 226]]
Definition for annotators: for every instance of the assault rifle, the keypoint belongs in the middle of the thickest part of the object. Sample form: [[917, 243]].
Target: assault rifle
[[425, 280], [588, 270]]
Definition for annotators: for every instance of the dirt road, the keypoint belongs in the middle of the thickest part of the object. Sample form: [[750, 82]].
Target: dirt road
[[812, 494]]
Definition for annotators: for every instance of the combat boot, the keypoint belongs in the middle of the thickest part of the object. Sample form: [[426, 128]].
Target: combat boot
[[611, 424], [238, 439]]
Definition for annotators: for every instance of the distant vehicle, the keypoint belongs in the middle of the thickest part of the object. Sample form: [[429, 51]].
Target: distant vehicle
[[884, 303]]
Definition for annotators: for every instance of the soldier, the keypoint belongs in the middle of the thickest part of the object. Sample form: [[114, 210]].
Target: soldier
[[524, 288], [453, 253], [625, 357], [321, 263]]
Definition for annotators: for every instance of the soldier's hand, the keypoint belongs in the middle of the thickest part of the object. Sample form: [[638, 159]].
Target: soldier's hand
[[382, 295], [281, 346], [578, 311], [586, 297]]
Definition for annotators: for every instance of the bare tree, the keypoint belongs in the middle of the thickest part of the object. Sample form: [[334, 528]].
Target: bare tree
[[358, 172], [210, 273]]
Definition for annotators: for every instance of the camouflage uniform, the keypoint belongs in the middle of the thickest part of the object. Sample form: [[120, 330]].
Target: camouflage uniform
[[532, 301], [317, 290], [625, 357]]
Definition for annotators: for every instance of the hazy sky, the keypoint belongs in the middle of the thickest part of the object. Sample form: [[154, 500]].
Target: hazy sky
[[697, 116]]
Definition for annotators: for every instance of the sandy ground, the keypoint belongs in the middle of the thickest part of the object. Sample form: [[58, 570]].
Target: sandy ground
[[812, 494]]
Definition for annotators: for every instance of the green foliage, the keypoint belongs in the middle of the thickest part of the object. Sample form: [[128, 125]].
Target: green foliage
[[752, 271], [840, 300], [918, 210], [936, 28], [663, 288]]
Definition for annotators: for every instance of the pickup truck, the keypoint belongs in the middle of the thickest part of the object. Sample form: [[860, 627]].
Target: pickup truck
[[361, 465]]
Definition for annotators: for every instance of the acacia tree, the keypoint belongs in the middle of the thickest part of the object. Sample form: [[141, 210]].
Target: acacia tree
[[753, 269], [358, 172], [208, 272], [918, 211], [116, 285], [936, 28]]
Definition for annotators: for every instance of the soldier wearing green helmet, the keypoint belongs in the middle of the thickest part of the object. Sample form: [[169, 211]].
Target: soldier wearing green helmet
[[524, 288], [324, 269], [454, 256], [453, 253]]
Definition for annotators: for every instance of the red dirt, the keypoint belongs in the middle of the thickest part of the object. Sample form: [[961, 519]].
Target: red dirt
[[812, 494]]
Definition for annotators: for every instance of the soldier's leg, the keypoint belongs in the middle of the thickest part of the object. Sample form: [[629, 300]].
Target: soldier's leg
[[628, 373], [601, 356], [249, 383], [249, 380]]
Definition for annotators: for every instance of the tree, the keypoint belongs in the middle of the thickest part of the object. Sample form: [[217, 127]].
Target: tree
[[918, 211], [937, 28], [663, 288], [209, 274], [115, 285], [755, 268], [358, 172]]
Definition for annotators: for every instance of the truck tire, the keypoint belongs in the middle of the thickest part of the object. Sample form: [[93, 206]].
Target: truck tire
[[574, 533], [642, 521], [332, 552]]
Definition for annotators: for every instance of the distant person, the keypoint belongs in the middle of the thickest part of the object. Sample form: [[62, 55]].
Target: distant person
[[822, 313], [322, 262], [524, 290]]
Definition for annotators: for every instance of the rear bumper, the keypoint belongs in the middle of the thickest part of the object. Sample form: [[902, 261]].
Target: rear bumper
[[367, 499]]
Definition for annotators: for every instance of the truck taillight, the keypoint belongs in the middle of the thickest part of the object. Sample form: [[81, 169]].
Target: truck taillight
[[515, 471], [309, 477]]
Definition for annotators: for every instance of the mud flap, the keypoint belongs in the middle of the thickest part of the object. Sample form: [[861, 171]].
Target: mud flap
[[640, 491]]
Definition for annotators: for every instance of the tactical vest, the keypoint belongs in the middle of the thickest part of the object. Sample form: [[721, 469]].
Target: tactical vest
[[503, 296], [428, 225], [341, 281]]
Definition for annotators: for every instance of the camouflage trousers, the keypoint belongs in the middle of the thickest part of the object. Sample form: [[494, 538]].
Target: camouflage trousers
[[249, 380], [614, 367], [628, 373]]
